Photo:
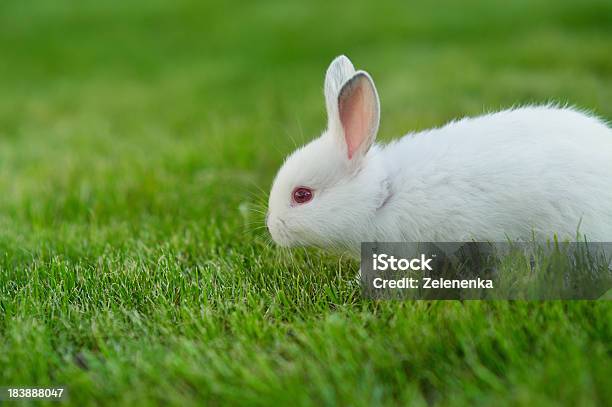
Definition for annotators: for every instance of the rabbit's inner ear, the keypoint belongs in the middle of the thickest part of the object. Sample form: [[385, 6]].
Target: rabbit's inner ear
[[358, 108]]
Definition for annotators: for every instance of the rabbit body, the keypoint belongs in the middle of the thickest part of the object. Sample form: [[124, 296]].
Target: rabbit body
[[518, 174]]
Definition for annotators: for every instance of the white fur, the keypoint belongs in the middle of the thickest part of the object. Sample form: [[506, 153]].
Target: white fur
[[517, 174]]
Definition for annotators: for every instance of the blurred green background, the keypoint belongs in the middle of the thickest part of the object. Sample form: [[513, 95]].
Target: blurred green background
[[137, 141]]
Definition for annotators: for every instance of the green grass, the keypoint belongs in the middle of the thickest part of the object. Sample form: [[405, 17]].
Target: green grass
[[135, 140]]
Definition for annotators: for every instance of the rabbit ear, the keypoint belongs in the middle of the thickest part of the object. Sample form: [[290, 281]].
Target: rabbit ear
[[340, 70], [358, 113]]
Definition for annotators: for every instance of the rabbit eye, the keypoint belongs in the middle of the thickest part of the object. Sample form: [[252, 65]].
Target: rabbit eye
[[301, 195]]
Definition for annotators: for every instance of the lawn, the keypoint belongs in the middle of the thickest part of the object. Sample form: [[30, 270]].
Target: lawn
[[138, 141]]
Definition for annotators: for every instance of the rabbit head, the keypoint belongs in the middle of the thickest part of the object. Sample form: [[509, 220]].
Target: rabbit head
[[327, 191]]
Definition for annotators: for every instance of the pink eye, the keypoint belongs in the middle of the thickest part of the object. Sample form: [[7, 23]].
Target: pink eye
[[301, 195]]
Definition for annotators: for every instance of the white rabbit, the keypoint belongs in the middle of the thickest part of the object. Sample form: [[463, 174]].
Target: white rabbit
[[519, 174]]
